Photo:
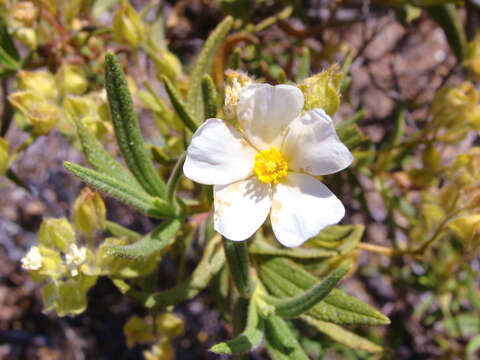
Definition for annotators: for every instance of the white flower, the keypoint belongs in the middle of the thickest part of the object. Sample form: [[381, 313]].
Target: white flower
[[33, 259], [75, 257], [264, 167]]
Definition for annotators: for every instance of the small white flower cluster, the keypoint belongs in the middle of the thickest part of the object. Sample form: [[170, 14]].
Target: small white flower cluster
[[75, 258], [32, 260]]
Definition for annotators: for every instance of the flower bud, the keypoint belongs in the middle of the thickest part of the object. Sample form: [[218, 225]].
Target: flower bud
[[27, 36], [322, 90], [168, 64], [24, 12], [56, 234], [41, 83], [39, 113], [89, 212], [71, 79], [452, 105], [127, 26]]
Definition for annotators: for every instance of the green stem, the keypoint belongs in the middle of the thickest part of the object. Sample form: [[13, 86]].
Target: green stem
[[236, 253]]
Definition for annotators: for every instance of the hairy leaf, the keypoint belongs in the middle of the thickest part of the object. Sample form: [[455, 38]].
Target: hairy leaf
[[203, 64], [127, 130], [119, 190], [179, 106], [249, 339], [285, 278], [294, 306], [342, 335], [280, 342], [157, 240], [101, 160], [209, 95]]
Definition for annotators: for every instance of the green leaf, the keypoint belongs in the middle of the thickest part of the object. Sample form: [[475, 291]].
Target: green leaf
[[280, 342], [101, 160], [263, 248], [212, 261], [342, 238], [447, 18], [342, 335], [6, 41], [179, 106], [203, 64], [156, 240], [294, 306], [465, 325], [121, 191], [249, 339], [174, 177], [127, 130], [237, 259], [209, 95], [285, 278], [348, 131], [118, 230], [472, 348]]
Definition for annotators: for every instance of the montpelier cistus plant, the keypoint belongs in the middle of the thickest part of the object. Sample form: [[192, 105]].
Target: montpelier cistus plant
[[247, 148]]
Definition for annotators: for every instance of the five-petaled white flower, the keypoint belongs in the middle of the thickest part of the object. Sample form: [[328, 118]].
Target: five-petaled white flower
[[265, 166]]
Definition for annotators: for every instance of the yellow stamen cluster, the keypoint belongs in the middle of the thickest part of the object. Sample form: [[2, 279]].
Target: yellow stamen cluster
[[270, 166]]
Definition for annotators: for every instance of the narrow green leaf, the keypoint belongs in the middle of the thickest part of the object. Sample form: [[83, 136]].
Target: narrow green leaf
[[212, 261], [13, 177], [203, 64], [121, 231], [349, 132], [117, 189], [237, 258], [157, 240], [127, 130], [6, 41], [294, 306], [263, 248], [7, 63], [178, 104], [285, 278], [342, 238], [447, 18], [280, 342], [101, 160], [249, 339], [342, 335], [209, 95], [174, 177]]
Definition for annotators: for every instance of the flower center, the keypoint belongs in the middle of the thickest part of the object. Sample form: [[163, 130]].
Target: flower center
[[270, 166]]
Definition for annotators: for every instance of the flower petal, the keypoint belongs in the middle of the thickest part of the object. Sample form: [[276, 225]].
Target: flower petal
[[265, 111], [301, 207], [218, 155], [313, 146], [241, 208]]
